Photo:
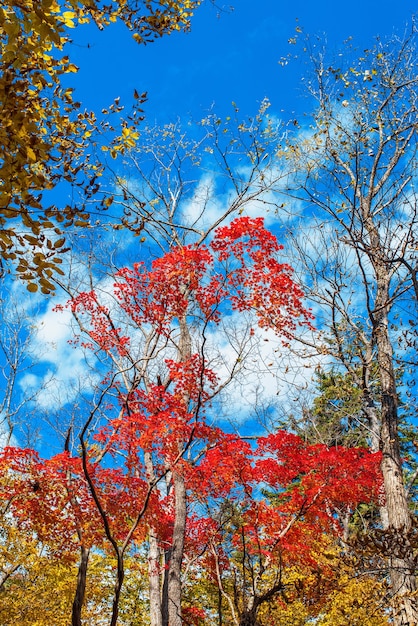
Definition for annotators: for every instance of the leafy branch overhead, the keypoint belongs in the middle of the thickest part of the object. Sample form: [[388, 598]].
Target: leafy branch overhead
[[44, 132]]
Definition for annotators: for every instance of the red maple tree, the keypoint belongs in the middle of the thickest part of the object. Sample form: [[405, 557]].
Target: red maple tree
[[157, 456]]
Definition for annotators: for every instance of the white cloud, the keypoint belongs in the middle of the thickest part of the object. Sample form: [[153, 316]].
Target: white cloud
[[268, 374], [64, 369]]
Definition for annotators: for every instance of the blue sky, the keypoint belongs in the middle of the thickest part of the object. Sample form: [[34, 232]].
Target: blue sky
[[228, 55]]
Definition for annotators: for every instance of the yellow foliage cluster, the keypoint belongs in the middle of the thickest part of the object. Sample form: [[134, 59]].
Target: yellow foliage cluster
[[43, 134], [37, 589], [41, 595], [358, 601]]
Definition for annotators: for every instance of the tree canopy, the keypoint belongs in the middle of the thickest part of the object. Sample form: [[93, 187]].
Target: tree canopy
[[45, 134], [208, 415]]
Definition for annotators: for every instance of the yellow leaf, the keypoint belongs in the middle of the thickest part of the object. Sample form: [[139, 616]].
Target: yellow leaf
[[31, 154], [72, 68], [67, 19]]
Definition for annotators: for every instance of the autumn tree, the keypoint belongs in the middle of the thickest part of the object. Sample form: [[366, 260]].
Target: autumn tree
[[268, 547], [54, 502], [39, 565], [357, 251], [254, 549], [155, 328], [243, 159], [168, 385], [44, 132]]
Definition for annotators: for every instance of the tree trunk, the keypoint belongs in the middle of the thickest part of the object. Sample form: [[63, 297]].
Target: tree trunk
[[174, 590], [174, 571], [81, 587], [154, 555], [375, 425], [249, 618], [402, 565], [373, 419], [164, 600]]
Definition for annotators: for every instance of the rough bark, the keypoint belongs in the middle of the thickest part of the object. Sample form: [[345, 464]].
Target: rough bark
[[156, 618], [402, 564], [164, 600], [174, 571], [81, 587], [374, 422], [180, 505], [154, 557]]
